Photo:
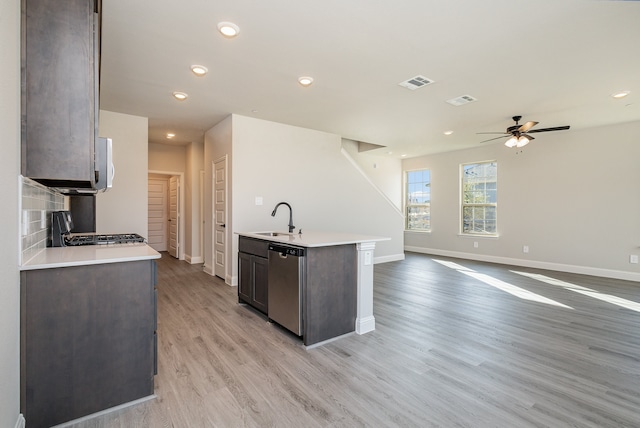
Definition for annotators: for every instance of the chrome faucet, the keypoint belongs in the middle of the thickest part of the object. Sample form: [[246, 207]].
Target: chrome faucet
[[273, 214]]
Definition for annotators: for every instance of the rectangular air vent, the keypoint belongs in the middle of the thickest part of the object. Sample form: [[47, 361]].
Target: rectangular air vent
[[464, 99], [416, 82]]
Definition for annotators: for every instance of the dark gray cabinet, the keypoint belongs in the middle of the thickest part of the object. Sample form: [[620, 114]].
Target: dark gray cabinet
[[60, 75], [330, 295], [87, 339], [253, 271], [330, 291]]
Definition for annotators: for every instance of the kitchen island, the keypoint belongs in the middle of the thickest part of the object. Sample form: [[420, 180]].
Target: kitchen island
[[88, 331], [336, 287]]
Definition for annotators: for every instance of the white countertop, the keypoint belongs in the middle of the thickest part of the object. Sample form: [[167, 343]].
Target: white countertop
[[315, 238], [90, 255]]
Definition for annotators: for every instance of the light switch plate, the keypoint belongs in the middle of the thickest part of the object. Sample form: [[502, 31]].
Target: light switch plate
[[25, 222], [633, 258], [258, 200]]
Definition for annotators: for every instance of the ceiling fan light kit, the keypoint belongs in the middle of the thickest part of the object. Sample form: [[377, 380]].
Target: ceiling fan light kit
[[518, 134]]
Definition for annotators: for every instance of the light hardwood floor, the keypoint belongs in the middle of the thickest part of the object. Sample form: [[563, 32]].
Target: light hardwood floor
[[449, 350]]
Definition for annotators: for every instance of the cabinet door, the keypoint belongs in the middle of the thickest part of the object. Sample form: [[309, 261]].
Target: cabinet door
[[87, 338], [260, 289], [58, 104], [244, 277]]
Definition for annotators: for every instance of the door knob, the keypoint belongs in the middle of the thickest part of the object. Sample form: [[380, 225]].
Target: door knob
[[223, 225]]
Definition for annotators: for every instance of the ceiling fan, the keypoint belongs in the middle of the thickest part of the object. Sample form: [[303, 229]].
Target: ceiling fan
[[519, 134]]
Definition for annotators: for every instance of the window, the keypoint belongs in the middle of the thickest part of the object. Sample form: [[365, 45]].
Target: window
[[479, 198], [418, 202]]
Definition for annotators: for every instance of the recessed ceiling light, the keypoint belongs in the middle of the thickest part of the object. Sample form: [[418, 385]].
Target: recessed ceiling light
[[448, 132], [305, 80], [180, 96], [199, 70], [170, 135], [621, 94], [228, 29], [404, 155]]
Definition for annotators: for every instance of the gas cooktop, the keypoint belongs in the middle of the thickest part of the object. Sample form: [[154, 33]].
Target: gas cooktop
[[119, 238]]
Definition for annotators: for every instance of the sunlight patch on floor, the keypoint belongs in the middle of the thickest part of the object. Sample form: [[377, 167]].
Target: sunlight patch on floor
[[501, 285], [615, 300]]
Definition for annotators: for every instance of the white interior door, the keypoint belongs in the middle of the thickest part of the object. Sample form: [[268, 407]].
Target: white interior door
[[220, 217], [157, 214], [174, 223]]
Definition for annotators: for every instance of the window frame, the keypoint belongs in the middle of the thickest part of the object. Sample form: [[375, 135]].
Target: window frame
[[408, 205], [482, 205]]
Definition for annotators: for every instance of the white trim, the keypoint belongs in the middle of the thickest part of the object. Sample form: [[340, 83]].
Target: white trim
[[583, 270], [207, 269], [20, 423], [193, 260], [365, 325], [231, 280], [389, 258]]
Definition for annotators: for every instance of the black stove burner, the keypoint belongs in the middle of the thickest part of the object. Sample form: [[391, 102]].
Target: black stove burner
[[121, 238]]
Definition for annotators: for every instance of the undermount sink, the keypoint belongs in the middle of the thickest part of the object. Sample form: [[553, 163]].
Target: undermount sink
[[273, 234]]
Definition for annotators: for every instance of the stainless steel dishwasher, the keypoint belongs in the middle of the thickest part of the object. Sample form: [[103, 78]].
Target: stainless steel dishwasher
[[286, 278]]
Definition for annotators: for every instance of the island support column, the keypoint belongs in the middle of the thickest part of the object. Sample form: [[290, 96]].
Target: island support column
[[365, 321]]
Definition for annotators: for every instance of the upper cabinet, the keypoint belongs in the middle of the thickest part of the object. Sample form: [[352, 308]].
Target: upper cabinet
[[60, 87]]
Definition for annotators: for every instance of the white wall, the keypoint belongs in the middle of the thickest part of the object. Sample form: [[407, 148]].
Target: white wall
[[9, 170], [384, 172], [167, 158], [571, 196], [123, 209], [307, 169]]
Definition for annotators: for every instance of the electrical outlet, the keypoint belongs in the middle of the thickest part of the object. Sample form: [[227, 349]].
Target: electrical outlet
[[258, 200], [525, 249], [633, 258], [475, 244]]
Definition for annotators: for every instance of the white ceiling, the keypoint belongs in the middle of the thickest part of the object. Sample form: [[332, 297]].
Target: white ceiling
[[552, 61]]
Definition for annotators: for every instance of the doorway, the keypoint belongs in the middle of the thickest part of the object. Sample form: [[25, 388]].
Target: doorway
[[220, 217], [165, 203], [158, 212]]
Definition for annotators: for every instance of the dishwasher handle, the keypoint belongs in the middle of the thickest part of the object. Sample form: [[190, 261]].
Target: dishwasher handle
[[286, 250]]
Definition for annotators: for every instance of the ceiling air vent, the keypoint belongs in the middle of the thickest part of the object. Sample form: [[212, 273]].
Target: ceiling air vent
[[464, 99], [416, 82]]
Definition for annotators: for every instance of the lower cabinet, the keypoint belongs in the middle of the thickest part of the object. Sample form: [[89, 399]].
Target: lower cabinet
[[253, 270], [87, 339]]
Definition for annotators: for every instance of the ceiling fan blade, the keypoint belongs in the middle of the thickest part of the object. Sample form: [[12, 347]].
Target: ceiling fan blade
[[491, 139], [527, 126], [528, 136], [557, 128], [503, 133]]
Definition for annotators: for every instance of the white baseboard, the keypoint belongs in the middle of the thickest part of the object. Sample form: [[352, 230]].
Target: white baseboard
[[231, 280], [20, 423], [194, 260], [391, 258], [207, 269], [583, 270], [365, 325]]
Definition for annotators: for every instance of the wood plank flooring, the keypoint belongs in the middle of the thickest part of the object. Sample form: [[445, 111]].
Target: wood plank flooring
[[451, 349]]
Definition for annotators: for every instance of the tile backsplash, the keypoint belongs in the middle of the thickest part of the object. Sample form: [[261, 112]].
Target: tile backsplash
[[37, 202]]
